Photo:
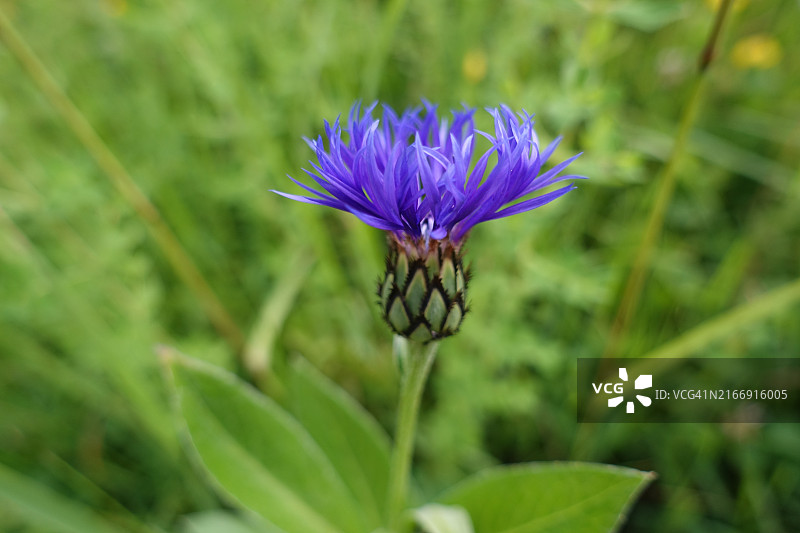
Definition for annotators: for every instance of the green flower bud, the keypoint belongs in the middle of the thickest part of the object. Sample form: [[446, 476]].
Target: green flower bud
[[423, 291]]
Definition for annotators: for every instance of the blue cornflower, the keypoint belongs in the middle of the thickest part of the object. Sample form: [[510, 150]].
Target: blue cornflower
[[410, 175]]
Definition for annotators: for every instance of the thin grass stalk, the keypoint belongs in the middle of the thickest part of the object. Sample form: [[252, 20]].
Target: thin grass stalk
[[666, 187], [177, 257], [730, 322]]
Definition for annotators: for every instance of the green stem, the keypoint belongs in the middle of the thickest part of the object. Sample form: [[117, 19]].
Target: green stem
[[666, 187], [416, 373]]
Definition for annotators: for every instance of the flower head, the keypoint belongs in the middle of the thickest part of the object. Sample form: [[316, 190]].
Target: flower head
[[410, 173], [413, 175]]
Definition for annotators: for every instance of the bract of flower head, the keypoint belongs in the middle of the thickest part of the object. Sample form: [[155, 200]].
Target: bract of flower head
[[412, 173]]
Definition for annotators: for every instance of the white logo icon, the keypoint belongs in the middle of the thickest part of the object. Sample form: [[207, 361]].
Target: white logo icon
[[645, 381]]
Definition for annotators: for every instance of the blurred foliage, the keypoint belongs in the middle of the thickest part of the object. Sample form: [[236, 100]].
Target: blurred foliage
[[206, 105]]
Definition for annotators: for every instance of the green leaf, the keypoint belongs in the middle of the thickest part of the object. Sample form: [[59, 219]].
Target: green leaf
[[647, 16], [259, 454], [552, 497], [436, 518], [355, 444], [41, 506], [217, 521]]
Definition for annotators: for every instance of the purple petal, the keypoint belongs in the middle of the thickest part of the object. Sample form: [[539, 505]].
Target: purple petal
[[533, 203]]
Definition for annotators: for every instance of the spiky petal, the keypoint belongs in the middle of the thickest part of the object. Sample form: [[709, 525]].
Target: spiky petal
[[413, 169]]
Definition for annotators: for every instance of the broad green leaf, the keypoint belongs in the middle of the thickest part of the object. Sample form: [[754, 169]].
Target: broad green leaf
[[436, 518], [552, 497], [40, 506], [259, 454], [353, 441]]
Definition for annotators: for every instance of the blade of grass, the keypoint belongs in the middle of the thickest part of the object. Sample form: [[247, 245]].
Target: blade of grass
[[717, 151], [178, 258], [734, 321], [728, 323], [39, 505], [82, 485], [258, 352]]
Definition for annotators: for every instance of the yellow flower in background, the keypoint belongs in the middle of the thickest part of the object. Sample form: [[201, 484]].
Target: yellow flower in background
[[757, 51], [116, 8], [474, 65]]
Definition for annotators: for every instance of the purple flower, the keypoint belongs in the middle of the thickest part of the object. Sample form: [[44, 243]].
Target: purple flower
[[410, 174]]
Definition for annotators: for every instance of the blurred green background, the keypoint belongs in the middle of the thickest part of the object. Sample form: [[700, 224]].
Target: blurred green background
[[205, 105]]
